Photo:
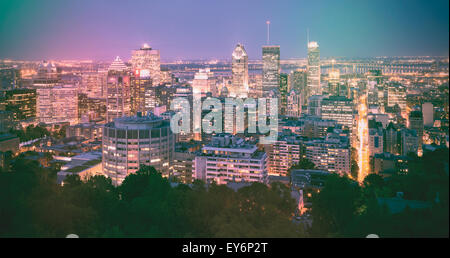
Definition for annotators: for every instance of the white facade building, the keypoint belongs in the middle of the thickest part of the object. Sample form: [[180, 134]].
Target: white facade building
[[228, 158]]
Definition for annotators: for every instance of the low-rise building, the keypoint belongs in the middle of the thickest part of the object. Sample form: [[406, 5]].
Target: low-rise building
[[84, 165], [9, 142]]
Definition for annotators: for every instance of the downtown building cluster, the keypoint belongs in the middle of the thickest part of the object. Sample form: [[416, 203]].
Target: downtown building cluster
[[343, 117]]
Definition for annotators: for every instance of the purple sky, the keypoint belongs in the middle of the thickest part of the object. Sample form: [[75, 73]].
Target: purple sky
[[195, 29]]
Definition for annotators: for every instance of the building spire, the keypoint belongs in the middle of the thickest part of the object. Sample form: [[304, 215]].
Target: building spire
[[268, 31], [307, 36]]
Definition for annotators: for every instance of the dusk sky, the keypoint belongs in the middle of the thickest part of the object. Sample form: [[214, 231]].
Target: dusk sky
[[204, 29]]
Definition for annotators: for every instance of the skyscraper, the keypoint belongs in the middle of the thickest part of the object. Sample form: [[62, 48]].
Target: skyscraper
[[56, 102], [416, 123], [333, 82], [314, 87], [271, 68], [118, 91], [141, 83], [147, 58], [297, 80], [283, 93], [205, 82], [239, 70]]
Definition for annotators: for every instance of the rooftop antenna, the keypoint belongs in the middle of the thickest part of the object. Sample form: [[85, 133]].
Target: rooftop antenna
[[268, 31], [307, 35]]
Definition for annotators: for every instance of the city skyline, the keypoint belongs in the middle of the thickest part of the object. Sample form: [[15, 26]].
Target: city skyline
[[101, 30], [224, 119]]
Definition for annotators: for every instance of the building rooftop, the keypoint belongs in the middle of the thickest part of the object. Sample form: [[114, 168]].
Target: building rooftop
[[398, 204], [5, 137], [117, 65], [138, 122]]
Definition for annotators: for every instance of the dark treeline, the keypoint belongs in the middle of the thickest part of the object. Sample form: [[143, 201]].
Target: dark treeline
[[30, 133], [346, 209], [145, 205]]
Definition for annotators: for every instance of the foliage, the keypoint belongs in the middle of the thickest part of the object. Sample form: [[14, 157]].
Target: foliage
[[145, 205], [346, 209], [30, 133]]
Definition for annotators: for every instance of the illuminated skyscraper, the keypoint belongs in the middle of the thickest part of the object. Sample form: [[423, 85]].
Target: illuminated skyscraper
[[55, 102], [271, 68], [147, 58], [314, 87], [118, 91], [141, 83], [239, 71], [333, 82], [204, 82]]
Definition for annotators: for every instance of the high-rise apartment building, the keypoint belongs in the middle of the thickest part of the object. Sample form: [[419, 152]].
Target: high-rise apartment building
[[140, 85], [283, 154], [331, 153]]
